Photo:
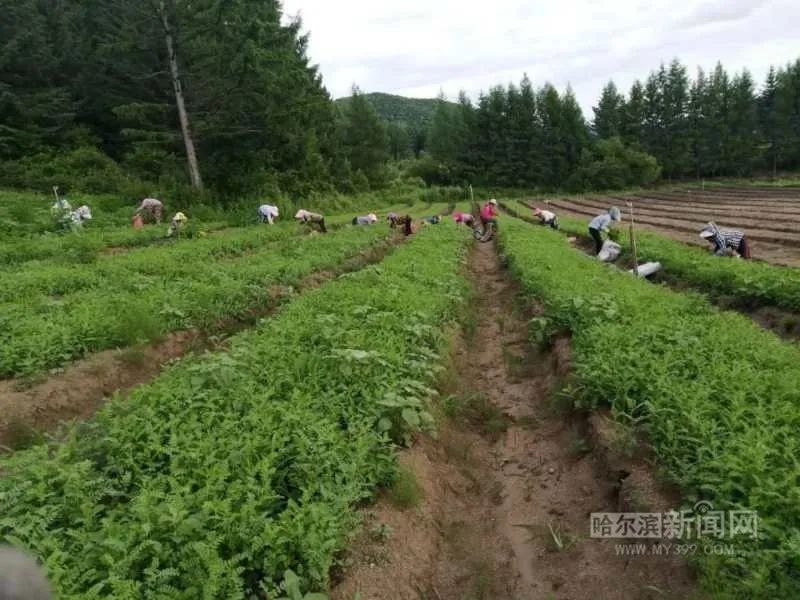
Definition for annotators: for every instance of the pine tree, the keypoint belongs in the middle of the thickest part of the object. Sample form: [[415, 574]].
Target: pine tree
[[36, 110], [653, 123], [787, 109], [697, 123], [574, 131], [364, 139], [399, 140], [768, 119], [634, 115], [493, 135], [529, 129], [609, 114], [743, 125], [676, 158], [556, 167]]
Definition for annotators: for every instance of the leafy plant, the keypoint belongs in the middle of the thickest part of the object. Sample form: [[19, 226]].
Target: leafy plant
[[220, 475], [716, 396]]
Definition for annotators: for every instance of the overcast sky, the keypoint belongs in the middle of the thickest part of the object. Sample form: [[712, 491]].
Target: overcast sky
[[419, 47]]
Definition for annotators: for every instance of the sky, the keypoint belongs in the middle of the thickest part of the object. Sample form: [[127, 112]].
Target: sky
[[418, 48]]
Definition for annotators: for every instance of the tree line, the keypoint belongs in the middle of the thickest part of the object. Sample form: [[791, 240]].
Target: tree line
[[669, 125], [133, 97], [169, 93]]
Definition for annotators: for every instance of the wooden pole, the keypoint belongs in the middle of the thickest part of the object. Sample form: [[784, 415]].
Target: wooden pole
[[633, 242]]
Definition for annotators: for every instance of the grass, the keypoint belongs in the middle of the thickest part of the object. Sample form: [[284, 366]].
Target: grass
[[479, 413], [406, 492], [133, 356], [21, 435]]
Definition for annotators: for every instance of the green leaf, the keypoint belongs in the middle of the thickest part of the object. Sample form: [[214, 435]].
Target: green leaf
[[411, 417]]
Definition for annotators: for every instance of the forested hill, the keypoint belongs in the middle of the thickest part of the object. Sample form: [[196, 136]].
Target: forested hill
[[415, 113]]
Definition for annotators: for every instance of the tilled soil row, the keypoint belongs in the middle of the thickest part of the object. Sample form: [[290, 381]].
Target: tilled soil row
[[756, 210], [685, 225]]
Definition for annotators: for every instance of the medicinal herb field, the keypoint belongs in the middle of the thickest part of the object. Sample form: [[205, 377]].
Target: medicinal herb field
[[717, 396], [751, 283], [52, 313], [769, 215], [55, 314], [227, 470]]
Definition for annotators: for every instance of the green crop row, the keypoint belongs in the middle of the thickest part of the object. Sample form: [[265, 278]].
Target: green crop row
[[85, 246], [717, 396], [133, 300], [750, 283], [51, 314], [117, 272], [214, 479], [21, 251]]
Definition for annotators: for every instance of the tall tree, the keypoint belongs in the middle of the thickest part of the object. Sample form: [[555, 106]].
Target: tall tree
[[399, 140], [633, 116], [768, 119], [744, 151], [166, 14], [36, 110], [609, 114], [574, 131], [676, 157], [787, 110], [364, 138]]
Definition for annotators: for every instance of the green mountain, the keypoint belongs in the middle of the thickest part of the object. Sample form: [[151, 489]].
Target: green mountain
[[416, 113]]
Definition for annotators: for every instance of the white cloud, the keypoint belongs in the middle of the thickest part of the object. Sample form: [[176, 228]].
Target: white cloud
[[419, 47]]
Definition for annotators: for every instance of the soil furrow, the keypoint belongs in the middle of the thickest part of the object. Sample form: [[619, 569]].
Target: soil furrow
[[510, 484]]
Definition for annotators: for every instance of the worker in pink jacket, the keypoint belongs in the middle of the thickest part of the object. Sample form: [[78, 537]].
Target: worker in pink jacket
[[489, 213], [463, 218]]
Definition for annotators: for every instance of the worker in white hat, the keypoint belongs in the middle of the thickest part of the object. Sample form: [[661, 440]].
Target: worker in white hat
[[267, 213], [546, 217], [178, 221], [311, 218]]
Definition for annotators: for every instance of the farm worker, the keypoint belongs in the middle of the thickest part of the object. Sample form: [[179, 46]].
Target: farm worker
[[83, 213], [489, 213], [310, 218], [369, 219], [463, 218], [726, 239], [600, 224], [21, 577], [546, 217], [60, 205], [153, 208], [405, 222], [62, 211], [178, 221], [267, 213]]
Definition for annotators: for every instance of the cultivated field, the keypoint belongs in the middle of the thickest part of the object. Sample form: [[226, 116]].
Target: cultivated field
[[769, 216], [262, 412]]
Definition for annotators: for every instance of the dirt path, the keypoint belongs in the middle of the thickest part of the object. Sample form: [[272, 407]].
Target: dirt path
[[29, 409], [509, 486]]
